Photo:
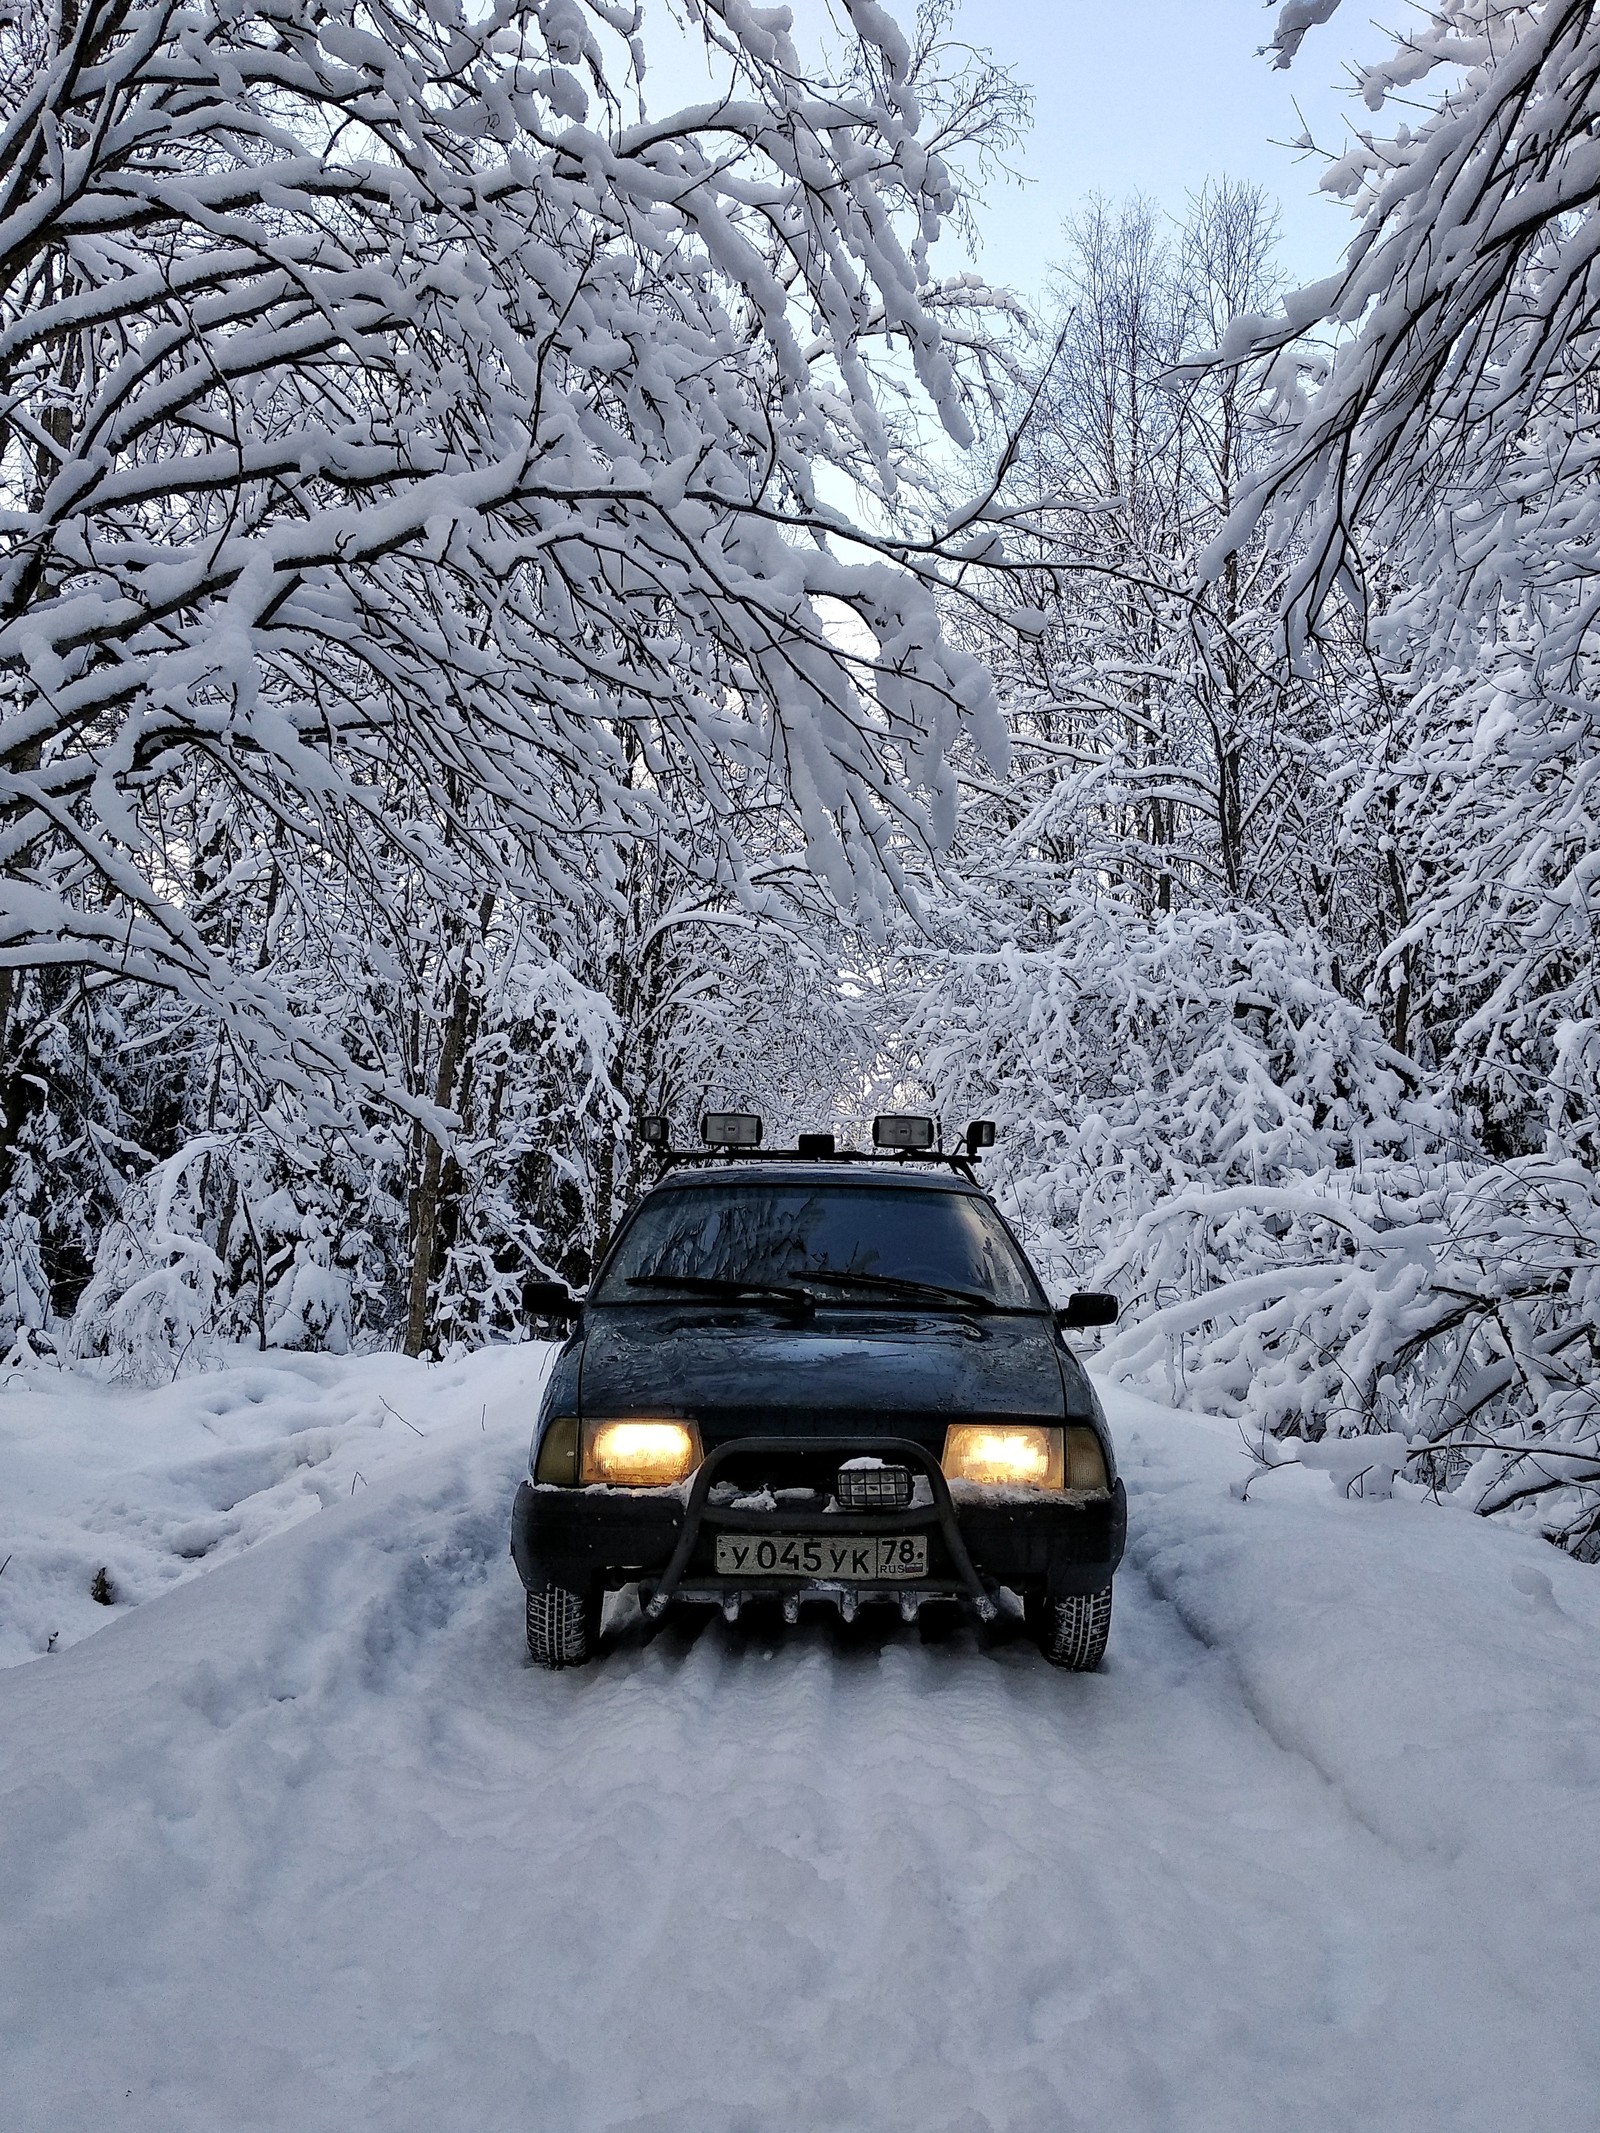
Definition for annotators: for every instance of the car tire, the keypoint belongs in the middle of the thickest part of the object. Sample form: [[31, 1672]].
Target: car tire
[[563, 1626], [1073, 1632]]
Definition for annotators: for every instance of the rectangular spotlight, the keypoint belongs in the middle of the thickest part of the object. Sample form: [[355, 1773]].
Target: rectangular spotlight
[[896, 1130], [731, 1129]]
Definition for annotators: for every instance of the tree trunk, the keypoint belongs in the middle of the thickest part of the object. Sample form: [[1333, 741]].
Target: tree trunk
[[14, 1089], [427, 1199]]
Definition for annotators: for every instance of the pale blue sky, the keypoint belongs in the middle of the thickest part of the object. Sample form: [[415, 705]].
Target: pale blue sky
[[1130, 96], [1154, 96]]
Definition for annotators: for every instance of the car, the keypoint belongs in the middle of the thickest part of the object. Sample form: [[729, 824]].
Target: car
[[819, 1374]]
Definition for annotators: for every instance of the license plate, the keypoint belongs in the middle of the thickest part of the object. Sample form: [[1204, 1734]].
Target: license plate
[[849, 1560]]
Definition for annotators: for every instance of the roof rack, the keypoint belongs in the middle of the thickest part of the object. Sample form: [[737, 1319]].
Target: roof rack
[[735, 1136]]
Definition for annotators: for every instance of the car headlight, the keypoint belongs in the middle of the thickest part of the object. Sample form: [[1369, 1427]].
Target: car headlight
[[638, 1452], [1025, 1455], [1022, 1455]]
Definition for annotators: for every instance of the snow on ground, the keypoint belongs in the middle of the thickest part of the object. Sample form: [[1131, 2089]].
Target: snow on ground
[[153, 1487], [303, 1843]]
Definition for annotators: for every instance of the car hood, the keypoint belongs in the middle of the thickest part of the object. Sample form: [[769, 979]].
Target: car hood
[[751, 1371]]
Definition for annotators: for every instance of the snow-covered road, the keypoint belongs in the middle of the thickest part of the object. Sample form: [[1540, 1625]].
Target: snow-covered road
[[303, 1843]]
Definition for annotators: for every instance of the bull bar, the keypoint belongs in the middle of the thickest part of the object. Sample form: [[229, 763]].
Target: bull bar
[[939, 1513]]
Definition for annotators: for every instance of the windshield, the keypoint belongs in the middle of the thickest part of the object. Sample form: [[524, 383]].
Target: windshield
[[851, 1244]]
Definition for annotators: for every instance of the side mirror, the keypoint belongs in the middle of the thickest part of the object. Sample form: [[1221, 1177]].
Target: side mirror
[[1090, 1307], [550, 1299]]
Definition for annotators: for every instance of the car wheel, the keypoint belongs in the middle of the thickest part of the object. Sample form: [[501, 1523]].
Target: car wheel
[[1073, 1632], [563, 1626]]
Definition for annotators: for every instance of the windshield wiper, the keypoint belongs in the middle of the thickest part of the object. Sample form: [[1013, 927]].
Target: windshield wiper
[[715, 1285], [969, 1299]]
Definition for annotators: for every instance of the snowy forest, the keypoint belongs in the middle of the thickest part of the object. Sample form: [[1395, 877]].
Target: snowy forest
[[525, 604]]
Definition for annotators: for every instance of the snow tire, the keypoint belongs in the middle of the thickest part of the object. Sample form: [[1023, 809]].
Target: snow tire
[[563, 1626], [1073, 1632]]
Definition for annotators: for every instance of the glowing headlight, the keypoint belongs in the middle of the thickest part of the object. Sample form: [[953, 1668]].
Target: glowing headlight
[[639, 1452], [1021, 1455]]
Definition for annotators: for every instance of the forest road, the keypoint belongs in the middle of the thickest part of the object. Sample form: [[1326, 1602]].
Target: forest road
[[306, 1844]]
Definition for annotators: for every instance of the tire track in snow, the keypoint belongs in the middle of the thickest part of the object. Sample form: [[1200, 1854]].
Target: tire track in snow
[[1148, 1562]]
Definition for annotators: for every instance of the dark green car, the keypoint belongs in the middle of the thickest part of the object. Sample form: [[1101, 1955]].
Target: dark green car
[[805, 1375]]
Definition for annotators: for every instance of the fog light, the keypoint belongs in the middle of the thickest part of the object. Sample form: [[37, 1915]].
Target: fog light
[[638, 1452], [872, 1486], [1018, 1455]]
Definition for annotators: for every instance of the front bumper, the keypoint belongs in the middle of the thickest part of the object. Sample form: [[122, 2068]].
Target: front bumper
[[578, 1537]]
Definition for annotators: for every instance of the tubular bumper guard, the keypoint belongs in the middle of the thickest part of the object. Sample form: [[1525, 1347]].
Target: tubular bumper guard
[[567, 1536]]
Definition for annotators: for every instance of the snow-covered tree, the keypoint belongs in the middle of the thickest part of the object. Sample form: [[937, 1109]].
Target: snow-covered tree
[[1433, 477], [1159, 739], [1437, 470], [1274, 954], [410, 447]]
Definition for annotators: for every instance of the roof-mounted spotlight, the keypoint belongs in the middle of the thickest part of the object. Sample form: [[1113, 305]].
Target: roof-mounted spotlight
[[896, 1130], [815, 1144], [980, 1135], [653, 1132], [731, 1129]]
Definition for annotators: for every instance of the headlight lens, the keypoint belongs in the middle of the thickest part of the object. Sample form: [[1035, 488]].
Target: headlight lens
[[558, 1454], [1019, 1454], [638, 1452], [1086, 1462]]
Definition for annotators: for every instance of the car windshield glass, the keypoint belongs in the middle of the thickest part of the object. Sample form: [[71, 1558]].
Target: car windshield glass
[[785, 1235]]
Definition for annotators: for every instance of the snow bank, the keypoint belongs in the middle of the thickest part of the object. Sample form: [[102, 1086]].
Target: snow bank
[[153, 1487], [1438, 1673], [1426, 1664]]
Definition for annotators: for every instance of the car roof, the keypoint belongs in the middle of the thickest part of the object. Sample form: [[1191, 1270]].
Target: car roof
[[809, 1171]]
